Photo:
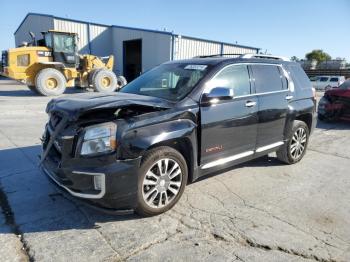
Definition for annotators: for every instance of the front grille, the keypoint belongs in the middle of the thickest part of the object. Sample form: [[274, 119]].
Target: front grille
[[55, 119]]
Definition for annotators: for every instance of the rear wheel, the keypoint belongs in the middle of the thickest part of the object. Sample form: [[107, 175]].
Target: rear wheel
[[50, 82], [162, 181], [295, 148], [104, 81], [121, 81]]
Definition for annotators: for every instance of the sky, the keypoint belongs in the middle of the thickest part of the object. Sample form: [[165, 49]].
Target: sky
[[280, 27]]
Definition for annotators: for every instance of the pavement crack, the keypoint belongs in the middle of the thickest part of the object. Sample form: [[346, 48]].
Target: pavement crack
[[11, 222], [149, 245], [253, 244], [328, 154]]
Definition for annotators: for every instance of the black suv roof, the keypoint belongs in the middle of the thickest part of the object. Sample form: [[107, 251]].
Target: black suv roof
[[215, 60]]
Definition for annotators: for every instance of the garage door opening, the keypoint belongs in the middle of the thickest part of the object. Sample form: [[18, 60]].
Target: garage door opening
[[132, 59]]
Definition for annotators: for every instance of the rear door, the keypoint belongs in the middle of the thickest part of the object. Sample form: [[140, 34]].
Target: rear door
[[229, 127], [273, 96]]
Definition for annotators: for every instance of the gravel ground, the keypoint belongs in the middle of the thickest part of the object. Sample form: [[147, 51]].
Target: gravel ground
[[258, 211]]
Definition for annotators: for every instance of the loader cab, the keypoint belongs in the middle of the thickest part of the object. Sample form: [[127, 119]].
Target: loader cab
[[64, 47]]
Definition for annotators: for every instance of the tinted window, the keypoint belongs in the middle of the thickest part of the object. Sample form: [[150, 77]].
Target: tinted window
[[299, 77], [267, 78], [235, 77], [169, 81], [334, 79], [323, 79]]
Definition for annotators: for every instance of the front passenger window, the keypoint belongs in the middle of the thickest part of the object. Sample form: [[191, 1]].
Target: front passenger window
[[235, 77]]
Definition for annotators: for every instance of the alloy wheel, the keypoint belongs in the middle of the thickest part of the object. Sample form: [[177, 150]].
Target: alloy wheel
[[298, 143], [162, 183]]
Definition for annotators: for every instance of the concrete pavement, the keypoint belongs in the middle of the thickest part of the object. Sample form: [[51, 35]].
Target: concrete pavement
[[258, 211]]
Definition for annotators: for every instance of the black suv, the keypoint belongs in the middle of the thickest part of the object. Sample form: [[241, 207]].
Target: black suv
[[138, 148]]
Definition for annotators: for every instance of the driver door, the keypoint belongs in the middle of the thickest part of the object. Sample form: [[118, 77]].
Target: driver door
[[229, 126]]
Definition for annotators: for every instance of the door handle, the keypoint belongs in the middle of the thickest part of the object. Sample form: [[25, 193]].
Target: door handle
[[289, 97], [250, 103]]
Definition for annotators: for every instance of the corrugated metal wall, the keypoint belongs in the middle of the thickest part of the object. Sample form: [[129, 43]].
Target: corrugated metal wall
[[231, 49], [101, 40], [80, 28], [105, 40], [35, 24], [156, 47], [186, 47]]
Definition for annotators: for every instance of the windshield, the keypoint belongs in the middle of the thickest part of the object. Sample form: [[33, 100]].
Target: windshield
[[63, 43], [345, 85], [169, 81]]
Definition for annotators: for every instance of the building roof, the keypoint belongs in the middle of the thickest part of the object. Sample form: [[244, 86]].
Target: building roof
[[133, 28]]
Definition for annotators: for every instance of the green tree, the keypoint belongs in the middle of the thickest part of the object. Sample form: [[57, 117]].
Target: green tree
[[294, 58], [318, 55]]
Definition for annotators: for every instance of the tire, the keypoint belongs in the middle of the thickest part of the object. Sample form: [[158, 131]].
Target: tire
[[92, 75], [121, 81], [104, 81], [50, 82], [155, 189], [292, 152]]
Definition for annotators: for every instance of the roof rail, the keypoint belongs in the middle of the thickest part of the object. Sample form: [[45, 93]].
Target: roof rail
[[218, 55], [247, 56]]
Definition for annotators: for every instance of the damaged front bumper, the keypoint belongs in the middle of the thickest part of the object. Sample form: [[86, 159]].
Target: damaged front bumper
[[101, 180]]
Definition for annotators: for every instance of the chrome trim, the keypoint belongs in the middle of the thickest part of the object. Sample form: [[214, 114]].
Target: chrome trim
[[289, 80], [227, 159], [250, 103], [81, 195], [267, 147], [247, 56], [289, 97]]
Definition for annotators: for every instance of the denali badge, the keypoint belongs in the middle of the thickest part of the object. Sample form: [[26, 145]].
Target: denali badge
[[214, 149]]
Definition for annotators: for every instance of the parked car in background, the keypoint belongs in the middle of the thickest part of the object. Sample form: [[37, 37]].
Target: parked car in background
[[322, 83], [335, 104]]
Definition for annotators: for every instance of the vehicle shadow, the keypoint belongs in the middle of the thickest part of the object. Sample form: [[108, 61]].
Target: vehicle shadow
[[31, 202], [336, 125], [25, 92]]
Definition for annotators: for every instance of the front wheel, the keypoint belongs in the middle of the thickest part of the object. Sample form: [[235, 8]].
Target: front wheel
[[50, 82], [295, 148], [162, 181]]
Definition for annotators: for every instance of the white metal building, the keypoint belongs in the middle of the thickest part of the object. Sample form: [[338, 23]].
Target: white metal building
[[135, 50]]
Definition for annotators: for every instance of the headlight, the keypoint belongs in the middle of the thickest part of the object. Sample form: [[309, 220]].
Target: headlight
[[99, 139]]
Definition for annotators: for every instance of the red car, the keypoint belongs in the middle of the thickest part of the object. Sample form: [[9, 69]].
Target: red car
[[335, 104]]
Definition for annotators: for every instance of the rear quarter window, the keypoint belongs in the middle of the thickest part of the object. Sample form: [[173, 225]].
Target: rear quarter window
[[267, 78], [299, 77]]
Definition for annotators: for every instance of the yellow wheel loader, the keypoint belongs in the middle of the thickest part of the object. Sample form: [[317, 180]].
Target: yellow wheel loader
[[51, 64]]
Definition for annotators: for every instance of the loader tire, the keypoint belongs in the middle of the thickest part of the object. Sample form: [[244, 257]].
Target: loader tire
[[50, 82], [104, 81], [121, 81], [92, 75]]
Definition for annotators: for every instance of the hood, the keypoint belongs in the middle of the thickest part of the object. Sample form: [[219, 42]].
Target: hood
[[338, 92], [73, 106]]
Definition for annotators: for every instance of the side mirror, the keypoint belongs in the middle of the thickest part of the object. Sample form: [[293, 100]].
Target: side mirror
[[218, 94]]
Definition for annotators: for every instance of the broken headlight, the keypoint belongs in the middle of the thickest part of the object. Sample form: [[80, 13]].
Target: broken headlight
[[99, 139]]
